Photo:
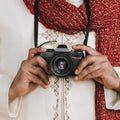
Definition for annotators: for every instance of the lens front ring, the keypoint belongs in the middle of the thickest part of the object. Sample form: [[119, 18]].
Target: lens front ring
[[61, 65]]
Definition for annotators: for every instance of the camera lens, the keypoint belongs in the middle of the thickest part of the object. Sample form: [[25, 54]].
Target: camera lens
[[61, 65]]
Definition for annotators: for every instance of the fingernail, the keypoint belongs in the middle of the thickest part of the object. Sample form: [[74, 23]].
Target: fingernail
[[73, 46], [76, 71], [76, 78]]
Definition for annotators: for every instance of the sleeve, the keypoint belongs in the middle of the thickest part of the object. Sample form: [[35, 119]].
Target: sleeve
[[112, 97], [6, 109]]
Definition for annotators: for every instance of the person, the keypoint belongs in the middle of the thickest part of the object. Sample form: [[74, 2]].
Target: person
[[29, 92]]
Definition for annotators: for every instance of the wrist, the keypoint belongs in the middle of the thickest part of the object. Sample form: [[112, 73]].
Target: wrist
[[11, 95], [118, 86]]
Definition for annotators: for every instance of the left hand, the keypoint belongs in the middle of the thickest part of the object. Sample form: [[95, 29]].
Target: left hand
[[97, 67]]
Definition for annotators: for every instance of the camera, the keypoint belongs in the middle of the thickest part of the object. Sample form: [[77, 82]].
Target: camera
[[62, 61]]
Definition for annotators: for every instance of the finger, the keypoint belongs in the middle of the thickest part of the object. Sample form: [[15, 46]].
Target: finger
[[94, 74], [88, 60], [32, 86], [99, 80], [88, 70], [44, 77], [40, 73], [33, 51], [39, 61], [88, 49], [36, 80]]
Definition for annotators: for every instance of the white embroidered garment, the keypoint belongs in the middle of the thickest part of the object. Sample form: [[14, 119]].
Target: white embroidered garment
[[64, 99]]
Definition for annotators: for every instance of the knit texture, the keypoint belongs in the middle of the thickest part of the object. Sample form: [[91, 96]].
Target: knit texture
[[105, 21]]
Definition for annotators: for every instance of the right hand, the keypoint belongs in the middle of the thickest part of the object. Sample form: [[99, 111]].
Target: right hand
[[30, 76]]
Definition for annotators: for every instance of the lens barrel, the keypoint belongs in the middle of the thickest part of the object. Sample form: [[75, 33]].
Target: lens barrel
[[61, 65]]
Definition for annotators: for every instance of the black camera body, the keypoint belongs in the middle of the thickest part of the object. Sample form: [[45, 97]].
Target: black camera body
[[62, 61]]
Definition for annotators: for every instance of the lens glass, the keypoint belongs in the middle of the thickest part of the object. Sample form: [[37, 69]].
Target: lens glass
[[61, 65]]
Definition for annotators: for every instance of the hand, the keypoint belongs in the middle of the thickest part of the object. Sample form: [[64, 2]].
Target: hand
[[30, 76], [97, 67]]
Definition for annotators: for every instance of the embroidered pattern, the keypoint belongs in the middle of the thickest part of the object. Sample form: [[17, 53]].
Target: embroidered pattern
[[55, 87], [50, 35], [69, 40], [67, 86]]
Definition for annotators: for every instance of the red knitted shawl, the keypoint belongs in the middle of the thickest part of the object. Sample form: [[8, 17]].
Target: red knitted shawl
[[105, 21]]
